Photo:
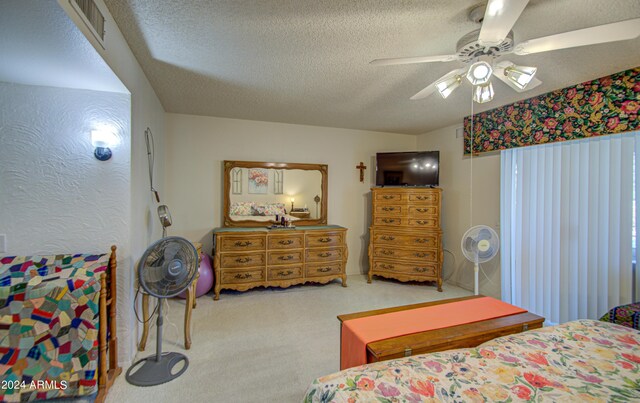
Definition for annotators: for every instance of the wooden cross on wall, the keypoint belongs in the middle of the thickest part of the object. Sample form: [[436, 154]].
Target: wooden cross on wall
[[361, 167]]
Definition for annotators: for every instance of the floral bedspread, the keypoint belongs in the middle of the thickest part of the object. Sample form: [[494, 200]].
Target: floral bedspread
[[49, 325], [584, 360]]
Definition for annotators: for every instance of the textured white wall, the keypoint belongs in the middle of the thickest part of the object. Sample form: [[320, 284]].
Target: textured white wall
[[197, 145], [455, 172], [55, 196], [146, 111]]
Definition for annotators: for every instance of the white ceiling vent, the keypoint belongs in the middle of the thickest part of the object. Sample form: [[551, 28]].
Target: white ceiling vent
[[92, 16]]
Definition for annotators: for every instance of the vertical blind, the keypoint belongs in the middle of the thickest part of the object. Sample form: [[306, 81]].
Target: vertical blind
[[566, 226]]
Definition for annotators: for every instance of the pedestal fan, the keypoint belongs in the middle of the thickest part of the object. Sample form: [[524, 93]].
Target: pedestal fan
[[479, 244], [166, 269]]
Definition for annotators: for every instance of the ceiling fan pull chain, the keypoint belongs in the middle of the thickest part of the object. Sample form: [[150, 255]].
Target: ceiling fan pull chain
[[471, 132]]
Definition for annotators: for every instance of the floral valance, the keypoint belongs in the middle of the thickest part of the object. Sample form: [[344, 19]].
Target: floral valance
[[599, 107]]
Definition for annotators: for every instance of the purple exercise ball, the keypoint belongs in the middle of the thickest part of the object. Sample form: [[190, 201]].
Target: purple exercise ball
[[205, 281]]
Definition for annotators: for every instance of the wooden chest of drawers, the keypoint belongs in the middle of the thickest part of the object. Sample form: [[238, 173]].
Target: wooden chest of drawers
[[245, 258], [405, 236]]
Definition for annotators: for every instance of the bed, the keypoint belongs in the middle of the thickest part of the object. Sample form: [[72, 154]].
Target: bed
[[57, 326], [583, 360]]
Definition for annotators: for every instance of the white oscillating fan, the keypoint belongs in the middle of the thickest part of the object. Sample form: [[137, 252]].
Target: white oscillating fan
[[479, 244]]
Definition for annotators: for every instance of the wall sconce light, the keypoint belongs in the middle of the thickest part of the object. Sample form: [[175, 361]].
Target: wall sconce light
[[103, 139]]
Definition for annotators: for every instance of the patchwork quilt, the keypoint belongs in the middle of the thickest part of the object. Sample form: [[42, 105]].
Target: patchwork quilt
[[584, 360], [49, 325]]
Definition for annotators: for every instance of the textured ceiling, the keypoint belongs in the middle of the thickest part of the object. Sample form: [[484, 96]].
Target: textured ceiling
[[306, 61], [40, 45]]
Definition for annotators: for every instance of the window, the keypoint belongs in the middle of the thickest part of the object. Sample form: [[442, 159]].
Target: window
[[568, 227]]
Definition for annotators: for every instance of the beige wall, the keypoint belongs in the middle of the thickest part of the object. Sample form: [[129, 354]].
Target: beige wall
[[197, 145], [455, 172]]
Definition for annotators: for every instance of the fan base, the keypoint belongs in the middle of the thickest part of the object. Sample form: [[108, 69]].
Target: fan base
[[153, 372]]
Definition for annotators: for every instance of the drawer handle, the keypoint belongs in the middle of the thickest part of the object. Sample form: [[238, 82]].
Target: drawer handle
[[324, 269], [422, 240], [326, 254], [421, 210], [420, 269], [388, 197], [388, 209], [285, 273], [324, 240], [421, 254], [387, 266], [243, 243], [387, 252], [388, 238], [422, 222], [244, 259], [388, 220], [422, 197], [285, 242], [243, 276], [288, 257]]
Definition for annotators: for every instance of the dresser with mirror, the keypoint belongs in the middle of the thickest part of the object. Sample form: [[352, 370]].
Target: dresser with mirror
[[275, 228]]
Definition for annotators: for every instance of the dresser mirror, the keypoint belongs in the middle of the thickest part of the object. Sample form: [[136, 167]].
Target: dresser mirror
[[256, 192]]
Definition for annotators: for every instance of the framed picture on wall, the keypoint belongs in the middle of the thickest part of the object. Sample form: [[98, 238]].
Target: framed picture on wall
[[278, 181], [236, 181], [258, 180]]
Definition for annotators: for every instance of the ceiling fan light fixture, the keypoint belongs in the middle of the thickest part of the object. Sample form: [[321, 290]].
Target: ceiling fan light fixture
[[483, 93], [479, 73], [520, 76], [446, 87]]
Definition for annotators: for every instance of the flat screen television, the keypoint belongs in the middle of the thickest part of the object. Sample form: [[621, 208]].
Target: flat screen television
[[415, 168]]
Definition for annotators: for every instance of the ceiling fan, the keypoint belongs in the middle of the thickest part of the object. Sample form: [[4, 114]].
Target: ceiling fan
[[479, 49]]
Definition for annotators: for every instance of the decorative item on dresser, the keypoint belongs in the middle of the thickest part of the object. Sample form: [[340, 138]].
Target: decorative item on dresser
[[251, 257], [405, 236]]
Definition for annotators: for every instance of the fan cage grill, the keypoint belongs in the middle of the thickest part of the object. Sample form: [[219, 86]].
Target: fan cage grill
[[474, 233], [168, 267]]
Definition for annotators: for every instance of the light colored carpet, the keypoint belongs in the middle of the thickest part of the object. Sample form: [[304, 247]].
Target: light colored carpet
[[266, 345]]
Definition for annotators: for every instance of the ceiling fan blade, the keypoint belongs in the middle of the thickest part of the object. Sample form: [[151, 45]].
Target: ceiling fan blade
[[498, 72], [410, 60], [617, 31], [499, 18], [430, 89]]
